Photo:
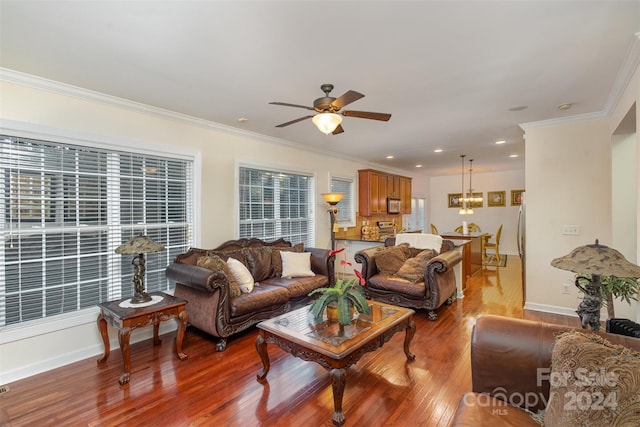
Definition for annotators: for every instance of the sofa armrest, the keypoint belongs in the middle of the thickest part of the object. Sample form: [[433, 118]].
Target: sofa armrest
[[511, 358], [323, 263], [366, 257], [196, 277], [442, 263]]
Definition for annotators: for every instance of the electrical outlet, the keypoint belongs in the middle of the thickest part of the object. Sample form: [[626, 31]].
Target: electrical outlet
[[566, 288], [571, 230]]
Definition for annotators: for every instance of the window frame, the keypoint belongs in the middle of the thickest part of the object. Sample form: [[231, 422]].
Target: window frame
[[278, 169], [25, 130], [351, 209]]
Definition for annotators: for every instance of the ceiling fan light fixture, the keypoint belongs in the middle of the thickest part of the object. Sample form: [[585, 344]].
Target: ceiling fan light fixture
[[327, 122]]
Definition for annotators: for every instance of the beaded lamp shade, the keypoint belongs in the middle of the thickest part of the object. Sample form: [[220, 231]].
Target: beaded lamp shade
[[597, 259]]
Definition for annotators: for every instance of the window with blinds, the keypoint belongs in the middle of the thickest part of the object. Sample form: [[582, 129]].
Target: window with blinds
[[66, 208], [276, 205], [346, 211]]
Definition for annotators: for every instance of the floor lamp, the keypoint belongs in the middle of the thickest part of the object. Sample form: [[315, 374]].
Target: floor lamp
[[333, 199]]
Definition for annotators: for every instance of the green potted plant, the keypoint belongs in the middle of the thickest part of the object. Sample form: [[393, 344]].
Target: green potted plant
[[346, 296], [622, 288]]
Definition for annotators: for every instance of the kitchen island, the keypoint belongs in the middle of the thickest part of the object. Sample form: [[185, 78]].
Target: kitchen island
[[475, 248]]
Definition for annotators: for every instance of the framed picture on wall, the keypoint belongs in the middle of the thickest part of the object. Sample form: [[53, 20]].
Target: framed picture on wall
[[478, 202], [496, 199], [455, 200], [516, 197]]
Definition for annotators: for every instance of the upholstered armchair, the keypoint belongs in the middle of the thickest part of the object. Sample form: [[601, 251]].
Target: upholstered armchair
[[410, 277]]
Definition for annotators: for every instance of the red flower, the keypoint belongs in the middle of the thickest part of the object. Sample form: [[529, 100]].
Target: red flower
[[359, 275], [344, 262], [336, 251]]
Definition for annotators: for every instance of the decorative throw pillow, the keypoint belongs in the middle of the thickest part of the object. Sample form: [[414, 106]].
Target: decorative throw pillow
[[241, 274], [225, 255], [413, 269], [389, 259], [276, 259], [259, 262], [593, 383], [296, 264], [217, 264]]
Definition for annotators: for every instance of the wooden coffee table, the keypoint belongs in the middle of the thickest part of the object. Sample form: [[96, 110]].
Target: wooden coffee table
[[331, 346]]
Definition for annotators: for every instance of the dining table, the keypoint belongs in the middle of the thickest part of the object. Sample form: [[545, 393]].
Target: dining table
[[476, 248]]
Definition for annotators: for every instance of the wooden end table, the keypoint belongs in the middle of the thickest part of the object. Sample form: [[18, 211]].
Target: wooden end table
[[127, 318], [332, 347]]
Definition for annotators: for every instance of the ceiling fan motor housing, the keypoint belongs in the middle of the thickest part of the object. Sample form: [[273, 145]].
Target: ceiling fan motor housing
[[323, 104]]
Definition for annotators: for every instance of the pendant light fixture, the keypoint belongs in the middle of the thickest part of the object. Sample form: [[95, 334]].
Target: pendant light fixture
[[463, 196], [468, 200]]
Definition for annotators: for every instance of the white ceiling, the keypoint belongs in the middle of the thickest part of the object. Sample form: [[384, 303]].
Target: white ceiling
[[448, 71]]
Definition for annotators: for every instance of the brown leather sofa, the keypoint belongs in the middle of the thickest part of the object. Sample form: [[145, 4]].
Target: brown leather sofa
[[436, 287], [212, 305], [509, 358]]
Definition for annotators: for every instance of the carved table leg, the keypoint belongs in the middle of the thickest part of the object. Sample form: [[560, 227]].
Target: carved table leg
[[338, 381], [102, 327], [123, 337], [183, 318], [409, 333], [156, 327], [261, 347]]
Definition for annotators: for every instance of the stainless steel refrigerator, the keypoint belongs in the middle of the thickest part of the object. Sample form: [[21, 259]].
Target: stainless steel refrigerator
[[521, 236]]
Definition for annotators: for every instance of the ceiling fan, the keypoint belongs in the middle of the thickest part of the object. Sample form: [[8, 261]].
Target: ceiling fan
[[329, 119]]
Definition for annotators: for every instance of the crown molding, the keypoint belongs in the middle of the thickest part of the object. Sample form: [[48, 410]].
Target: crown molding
[[629, 67], [599, 115], [64, 89]]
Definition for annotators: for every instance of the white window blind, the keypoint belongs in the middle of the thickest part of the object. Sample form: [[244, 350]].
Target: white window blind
[[345, 207], [67, 207], [276, 205]]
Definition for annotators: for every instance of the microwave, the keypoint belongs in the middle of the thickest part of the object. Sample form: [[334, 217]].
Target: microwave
[[393, 205]]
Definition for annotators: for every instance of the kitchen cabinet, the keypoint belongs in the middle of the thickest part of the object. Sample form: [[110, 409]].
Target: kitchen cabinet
[[375, 186]]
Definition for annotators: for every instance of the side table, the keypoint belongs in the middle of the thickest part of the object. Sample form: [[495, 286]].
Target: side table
[[127, 318]]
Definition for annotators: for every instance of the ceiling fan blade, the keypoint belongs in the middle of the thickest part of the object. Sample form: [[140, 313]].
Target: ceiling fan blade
[[285, 104], [293, 121], [347, 98], [367, 115], [338, 130]]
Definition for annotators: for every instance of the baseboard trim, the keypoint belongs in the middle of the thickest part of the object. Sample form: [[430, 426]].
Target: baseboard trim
[[80, 354], [550, 309]]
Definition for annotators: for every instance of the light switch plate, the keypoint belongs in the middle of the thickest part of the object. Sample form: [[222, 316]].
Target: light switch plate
[[571, 230]]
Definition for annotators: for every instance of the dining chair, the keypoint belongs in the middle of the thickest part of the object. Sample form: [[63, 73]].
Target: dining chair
[[472, 228], [493, 245], [434, 229]]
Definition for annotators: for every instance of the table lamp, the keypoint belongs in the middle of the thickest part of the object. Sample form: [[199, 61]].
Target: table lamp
[[139, 245], [597, 260]]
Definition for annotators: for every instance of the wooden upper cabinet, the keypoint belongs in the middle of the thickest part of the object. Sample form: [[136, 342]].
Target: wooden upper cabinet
[[405, 195], [375, 186]]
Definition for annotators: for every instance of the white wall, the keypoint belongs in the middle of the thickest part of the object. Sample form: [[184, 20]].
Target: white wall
[[568, 175], [87, 116], [488, 218]]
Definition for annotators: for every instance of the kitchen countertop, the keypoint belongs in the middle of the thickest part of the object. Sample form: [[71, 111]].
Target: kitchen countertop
[[363, 238]]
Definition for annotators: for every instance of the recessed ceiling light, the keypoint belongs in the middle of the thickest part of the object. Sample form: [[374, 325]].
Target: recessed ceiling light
[[243, 119], [389, 156], [518, 108], [418, 166], [438, 150], [565, 106], [513, 155], [502, 141]]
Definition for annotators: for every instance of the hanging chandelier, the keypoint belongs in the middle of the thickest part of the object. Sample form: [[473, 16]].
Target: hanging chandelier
[[463, 199], [468, 200]]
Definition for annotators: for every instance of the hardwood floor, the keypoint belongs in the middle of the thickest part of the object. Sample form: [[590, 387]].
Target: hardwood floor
[[220, 389]]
